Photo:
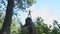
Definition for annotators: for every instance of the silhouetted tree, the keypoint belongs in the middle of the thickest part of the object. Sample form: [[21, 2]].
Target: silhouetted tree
[[8, 18], [9, 12]]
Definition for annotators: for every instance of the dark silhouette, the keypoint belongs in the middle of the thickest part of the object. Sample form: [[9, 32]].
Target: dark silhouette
[[8, 18], [30, 26]]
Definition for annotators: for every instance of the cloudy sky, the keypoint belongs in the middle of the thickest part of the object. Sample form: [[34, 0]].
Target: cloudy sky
[[49, 10]]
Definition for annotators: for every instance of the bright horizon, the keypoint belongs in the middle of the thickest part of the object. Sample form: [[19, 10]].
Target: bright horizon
[[49, 10]]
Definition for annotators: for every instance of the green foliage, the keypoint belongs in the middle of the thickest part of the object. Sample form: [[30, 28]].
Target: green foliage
[[41, 28], [14, 30], [31, 2], [23, 29], [1, 20], [23, 4], [0, 26]]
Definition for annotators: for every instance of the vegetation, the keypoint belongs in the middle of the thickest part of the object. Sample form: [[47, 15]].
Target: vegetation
[[41, 28], [8, 22], [21, 4]]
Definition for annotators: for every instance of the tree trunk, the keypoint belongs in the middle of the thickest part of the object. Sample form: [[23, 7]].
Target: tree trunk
[[8, 18]]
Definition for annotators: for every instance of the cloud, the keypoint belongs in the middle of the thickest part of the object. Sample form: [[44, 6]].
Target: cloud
[[43, 12]]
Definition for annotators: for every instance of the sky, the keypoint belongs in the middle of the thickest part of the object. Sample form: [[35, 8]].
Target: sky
[[49, 10]]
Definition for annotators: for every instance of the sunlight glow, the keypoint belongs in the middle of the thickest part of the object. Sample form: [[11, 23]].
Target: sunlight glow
[[44, 13]]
